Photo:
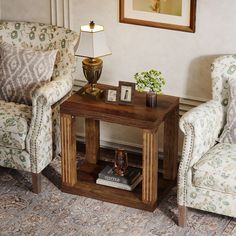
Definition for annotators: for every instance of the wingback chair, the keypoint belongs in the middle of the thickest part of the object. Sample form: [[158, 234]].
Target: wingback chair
[[36, 126], [207, 171]]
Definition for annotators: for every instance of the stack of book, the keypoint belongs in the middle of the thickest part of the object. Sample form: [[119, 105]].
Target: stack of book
[[128, 182]]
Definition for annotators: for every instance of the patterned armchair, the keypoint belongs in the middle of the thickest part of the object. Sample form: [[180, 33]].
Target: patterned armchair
[[29, 134], [207, 172]]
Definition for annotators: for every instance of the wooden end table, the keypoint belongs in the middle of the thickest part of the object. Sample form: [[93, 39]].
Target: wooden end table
[[83, 181]]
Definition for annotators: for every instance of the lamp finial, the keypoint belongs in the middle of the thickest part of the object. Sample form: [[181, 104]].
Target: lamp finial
[[91, 24]]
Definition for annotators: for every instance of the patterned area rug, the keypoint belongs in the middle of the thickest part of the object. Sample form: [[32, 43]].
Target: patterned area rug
[[55, 213]]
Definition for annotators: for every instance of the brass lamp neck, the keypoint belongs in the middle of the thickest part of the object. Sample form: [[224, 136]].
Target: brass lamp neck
[[92, 59]]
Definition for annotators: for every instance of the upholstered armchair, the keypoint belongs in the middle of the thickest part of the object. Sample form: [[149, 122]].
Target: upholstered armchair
[[30, 133], [207, 171]]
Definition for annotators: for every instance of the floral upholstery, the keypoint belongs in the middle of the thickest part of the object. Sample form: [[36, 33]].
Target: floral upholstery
[[216, 169], [223, 68], [15, 158], [206, 177], [42, 122], [14, 124], [43, 37]]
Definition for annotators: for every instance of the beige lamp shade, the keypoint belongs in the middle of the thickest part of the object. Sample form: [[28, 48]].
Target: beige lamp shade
[[92, 42]]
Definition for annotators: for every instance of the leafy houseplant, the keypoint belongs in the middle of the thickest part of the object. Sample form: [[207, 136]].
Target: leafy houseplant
[[152, 82]]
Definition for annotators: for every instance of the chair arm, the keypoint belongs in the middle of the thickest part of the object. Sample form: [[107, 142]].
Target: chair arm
[[39, 137], [53, 91], [201, 127]]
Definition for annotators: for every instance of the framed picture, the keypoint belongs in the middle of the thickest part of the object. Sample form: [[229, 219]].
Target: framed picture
[[126, 92], [168, 14], [111, 96]]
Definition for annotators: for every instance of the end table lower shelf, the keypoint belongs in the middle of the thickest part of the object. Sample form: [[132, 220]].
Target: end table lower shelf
[[86, 186]]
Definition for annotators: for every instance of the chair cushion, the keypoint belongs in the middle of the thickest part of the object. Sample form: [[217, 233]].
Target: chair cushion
[[216, 170], [14, 124], [22, 71]]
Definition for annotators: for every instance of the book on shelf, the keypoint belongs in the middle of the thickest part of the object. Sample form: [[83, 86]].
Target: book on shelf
[[119, 185], [108, 174]]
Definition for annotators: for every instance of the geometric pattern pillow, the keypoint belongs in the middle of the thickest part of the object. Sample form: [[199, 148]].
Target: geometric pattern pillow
[[22, 71], [229, 133]]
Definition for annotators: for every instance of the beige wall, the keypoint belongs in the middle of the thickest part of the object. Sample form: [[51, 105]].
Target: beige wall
[[184, 58], [26, 10]]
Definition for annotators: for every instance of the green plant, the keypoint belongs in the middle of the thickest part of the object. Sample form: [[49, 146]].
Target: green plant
[[152, 81]]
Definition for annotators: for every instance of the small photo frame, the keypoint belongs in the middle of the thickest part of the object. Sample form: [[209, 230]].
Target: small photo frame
[[126, 92], [111, 96]]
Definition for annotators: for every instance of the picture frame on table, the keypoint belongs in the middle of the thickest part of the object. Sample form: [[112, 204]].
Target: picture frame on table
[[111, 96], [126, 92], [172, 14]]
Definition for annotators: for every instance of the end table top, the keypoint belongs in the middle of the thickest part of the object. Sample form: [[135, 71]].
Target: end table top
[[136, 115]]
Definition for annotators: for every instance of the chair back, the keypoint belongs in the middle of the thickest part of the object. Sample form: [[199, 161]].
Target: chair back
[[43, 37], [223, 68]]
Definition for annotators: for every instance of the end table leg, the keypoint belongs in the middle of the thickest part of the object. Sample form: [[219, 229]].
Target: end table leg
[[171, 128], [68, 150], [92, 136], [150, 167]]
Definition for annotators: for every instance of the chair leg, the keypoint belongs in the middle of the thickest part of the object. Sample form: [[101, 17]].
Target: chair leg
[[182, 215], [36, 183]]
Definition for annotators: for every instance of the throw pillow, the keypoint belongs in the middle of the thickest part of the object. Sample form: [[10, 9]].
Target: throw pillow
[[229, 133], [22, 71]]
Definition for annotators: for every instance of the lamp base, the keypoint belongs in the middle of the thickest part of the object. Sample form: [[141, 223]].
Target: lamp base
[[92, 68], [93, 92]]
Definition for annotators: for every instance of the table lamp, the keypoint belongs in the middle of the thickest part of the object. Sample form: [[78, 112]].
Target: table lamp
[[92, 45]]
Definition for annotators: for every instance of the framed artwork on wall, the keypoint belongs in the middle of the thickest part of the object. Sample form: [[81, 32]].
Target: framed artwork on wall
[[167, 14]]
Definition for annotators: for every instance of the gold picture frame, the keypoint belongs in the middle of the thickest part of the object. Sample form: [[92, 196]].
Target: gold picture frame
[[179, 17]]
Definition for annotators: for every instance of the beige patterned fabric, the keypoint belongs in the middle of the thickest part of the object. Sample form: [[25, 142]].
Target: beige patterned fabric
[[41, 125], [206, 177], [216, 169], [22, 71], [14, 124], [15, 158], [43, 37], [222, 69], [229, 132]]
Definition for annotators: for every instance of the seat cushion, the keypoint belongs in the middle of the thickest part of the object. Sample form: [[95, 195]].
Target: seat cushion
[[14, 124], [216, 170]]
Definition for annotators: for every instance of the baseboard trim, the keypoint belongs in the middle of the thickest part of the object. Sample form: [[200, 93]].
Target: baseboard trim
[[129, 148], [113, 145]]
